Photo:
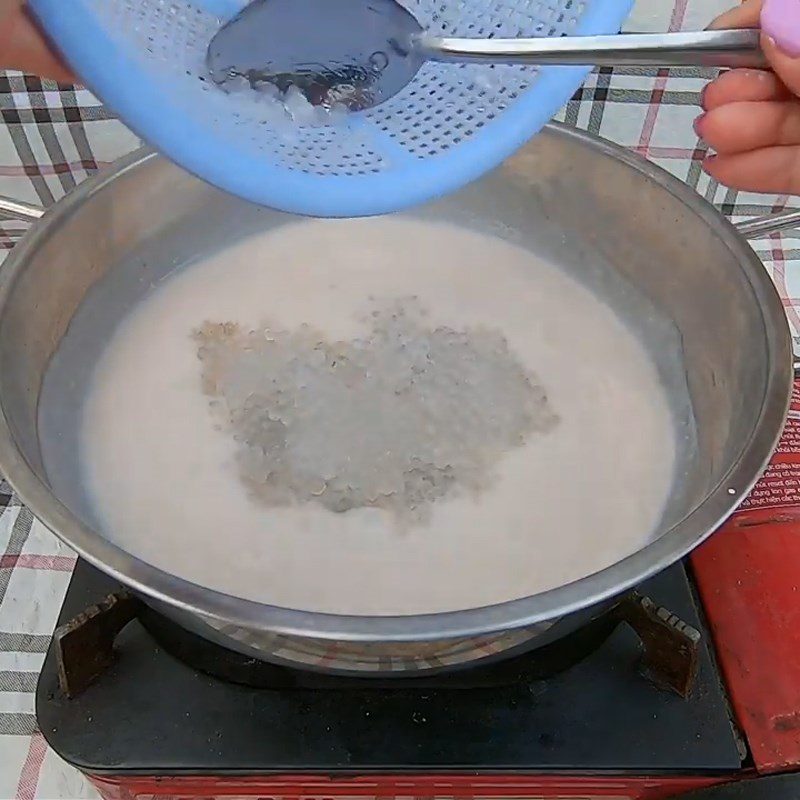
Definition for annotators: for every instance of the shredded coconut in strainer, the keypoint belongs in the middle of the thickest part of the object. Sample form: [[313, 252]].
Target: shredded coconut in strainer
[[405, 415]]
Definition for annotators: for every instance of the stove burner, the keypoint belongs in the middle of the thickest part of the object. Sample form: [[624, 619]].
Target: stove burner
[[169, 721], [85, 649], [219, 662]]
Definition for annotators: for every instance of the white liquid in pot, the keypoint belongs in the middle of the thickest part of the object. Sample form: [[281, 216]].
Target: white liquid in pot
[[162, 473]]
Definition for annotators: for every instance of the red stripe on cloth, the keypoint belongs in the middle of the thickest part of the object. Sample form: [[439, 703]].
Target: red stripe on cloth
[[678, 15], [54, 563], [675, 24], [20, 171], [643, 148], [32, 768], [779, 269]]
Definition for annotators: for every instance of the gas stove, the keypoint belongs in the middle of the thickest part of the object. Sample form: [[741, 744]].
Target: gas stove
[[172, 716]]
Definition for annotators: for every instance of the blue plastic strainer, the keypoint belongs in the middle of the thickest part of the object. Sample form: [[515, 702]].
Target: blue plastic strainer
[[452, 123]]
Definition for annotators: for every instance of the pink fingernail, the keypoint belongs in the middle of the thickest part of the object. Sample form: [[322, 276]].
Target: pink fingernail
[[780, 20]]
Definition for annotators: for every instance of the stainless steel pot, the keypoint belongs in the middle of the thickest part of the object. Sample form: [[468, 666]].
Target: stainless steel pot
[[687, 279]]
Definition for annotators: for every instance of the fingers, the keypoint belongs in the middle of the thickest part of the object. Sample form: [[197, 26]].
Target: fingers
[[752, 118], [9, 6], [737, 127], [773, 170], [743, 85], [747, 15]]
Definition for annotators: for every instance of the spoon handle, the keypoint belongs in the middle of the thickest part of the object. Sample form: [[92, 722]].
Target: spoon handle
[[727, 48]]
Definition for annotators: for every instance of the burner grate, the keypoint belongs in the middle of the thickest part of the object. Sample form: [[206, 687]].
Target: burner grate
[[85, 649], [596, 715]]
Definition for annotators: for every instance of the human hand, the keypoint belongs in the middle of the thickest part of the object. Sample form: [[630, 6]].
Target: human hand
[[752, 117], [24, 47]]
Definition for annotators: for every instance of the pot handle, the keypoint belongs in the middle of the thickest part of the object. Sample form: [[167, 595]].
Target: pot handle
[[772, 223], [18, 210]]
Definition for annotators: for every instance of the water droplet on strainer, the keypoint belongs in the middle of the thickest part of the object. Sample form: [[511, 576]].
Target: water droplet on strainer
[[379, 61]]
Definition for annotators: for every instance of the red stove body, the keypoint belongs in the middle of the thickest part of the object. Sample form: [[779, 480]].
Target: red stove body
[[452, 787], [748, 579]]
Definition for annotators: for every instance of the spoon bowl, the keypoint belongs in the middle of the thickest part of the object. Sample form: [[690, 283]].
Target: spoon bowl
[[357, 53]]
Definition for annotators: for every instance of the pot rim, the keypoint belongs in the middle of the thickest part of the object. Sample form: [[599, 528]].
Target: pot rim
[[588, 591]]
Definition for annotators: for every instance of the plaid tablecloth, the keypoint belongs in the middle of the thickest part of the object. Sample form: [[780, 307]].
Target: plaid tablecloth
[[52, 138]]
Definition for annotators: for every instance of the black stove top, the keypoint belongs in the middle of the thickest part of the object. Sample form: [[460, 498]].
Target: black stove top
[[151, 713]]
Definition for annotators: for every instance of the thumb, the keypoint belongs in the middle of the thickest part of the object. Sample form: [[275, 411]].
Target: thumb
[[780, 24], [785, 62]]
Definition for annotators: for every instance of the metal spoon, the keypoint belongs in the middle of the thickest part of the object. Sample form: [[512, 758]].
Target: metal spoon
[[362, 52]]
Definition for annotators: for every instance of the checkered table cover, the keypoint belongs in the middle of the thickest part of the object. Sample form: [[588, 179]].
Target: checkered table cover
[[53, 137]]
